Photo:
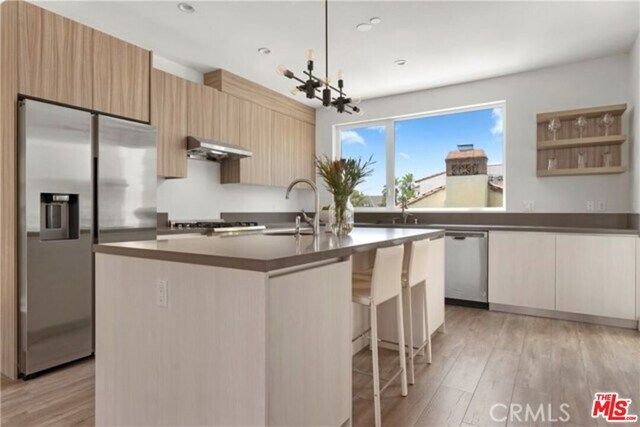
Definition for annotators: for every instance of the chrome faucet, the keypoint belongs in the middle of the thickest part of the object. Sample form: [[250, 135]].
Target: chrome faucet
[[405, 214], [316, 218]]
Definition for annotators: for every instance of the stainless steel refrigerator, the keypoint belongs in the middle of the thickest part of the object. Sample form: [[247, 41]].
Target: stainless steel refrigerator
[[84, 178]]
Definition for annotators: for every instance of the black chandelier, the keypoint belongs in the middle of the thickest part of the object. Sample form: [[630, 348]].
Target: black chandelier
[[311, 87]]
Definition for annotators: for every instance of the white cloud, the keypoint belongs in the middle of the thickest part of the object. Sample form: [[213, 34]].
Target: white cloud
[[498, 123], [405, 155], [352, 137], [379, 129]]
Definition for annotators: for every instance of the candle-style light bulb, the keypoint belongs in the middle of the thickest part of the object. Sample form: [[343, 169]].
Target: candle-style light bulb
[[295, 91], [356, 100], [340, 75], [281, 69], [310, 54]]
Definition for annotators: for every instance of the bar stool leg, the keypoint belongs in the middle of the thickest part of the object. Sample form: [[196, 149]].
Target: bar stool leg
[[426, 324], [376, 366], [412, 379], [401, 345]]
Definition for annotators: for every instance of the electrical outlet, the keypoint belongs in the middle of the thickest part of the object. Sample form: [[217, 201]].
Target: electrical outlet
[[601, 205], [591, 205], [529, 205], [162, 293]]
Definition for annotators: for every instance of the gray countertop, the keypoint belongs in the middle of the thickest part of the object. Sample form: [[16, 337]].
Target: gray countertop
[[263, 252], [482, 227]]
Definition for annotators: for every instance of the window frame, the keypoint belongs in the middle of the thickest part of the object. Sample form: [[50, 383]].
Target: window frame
[[390, 160]]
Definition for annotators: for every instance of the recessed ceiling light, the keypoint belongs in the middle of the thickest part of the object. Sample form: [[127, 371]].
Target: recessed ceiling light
[[375, 20], [264, 50], [363, 27], [186, 8], [400, 61]]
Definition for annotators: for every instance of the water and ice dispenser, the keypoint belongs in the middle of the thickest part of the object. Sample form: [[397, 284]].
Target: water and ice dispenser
[[59, 216]]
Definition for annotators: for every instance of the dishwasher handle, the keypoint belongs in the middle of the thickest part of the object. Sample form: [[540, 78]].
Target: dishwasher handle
[[456, 235]]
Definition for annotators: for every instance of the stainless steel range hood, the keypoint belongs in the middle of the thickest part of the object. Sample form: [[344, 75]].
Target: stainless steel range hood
[[205, 149]]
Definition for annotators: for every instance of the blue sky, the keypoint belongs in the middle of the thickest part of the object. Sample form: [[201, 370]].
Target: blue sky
[[423, 143]]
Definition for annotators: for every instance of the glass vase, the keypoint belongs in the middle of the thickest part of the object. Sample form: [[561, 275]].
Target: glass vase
[[341, 216]]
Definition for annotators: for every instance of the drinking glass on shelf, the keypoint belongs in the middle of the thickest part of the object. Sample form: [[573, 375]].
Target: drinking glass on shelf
[[581, 123], [552, 164], [554, 127], [606, 121], [582, 161], [607, 159]]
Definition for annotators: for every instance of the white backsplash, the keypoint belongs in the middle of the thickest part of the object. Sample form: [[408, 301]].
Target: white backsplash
[[201, 196]]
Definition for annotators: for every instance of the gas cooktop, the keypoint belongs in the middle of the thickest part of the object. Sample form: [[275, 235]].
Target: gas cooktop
[[217, 226]]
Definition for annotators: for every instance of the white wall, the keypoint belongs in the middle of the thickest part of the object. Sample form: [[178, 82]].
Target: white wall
[[172, 67], [201, 196], [592, 83], [634, 123]]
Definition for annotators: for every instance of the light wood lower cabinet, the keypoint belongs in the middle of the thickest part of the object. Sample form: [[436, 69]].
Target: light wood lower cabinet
[[169, 115], [522, 268], [596, 275], [54, 57], [591, 275]]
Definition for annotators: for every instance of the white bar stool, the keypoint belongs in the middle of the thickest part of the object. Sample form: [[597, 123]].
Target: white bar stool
[[415, 274], [384, 284]]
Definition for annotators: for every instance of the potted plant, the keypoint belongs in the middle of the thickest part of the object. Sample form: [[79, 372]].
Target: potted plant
[[341, 177]]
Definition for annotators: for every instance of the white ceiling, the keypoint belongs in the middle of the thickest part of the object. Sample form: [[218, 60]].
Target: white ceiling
[[443, 42]]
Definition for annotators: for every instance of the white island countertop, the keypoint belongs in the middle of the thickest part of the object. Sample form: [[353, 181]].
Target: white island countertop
[[265, 252]]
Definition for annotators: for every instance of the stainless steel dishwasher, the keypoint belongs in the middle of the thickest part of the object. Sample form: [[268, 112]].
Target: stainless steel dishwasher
[[466, 268]]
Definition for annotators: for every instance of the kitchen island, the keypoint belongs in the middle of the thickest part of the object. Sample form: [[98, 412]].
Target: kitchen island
[[240, 330]]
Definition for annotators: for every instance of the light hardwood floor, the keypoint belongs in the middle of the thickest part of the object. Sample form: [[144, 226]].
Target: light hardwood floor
[[484, 358]]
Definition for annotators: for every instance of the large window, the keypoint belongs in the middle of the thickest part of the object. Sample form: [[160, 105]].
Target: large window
[[364, 142], [443, 160]]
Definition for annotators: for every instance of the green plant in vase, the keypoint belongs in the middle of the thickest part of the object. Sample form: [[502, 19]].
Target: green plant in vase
[[341, 177]]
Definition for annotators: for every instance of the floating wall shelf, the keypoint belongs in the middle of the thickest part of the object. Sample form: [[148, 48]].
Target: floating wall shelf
[[582, 171], [592, 141], [568, 145]]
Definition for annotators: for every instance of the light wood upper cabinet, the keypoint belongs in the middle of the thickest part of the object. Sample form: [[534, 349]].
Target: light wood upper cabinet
[[202, 110], [307, 151], [522, 269], [54, 57], [292, 150], [596, 275], [169, 114], [256, 135], [283, 167], [121, 73], [227, 124]]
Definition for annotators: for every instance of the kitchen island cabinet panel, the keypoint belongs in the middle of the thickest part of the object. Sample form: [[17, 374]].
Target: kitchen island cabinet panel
[[182, 363], [596, 275], [121, 78], [522, 269], [226, 347], [54, 57]]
